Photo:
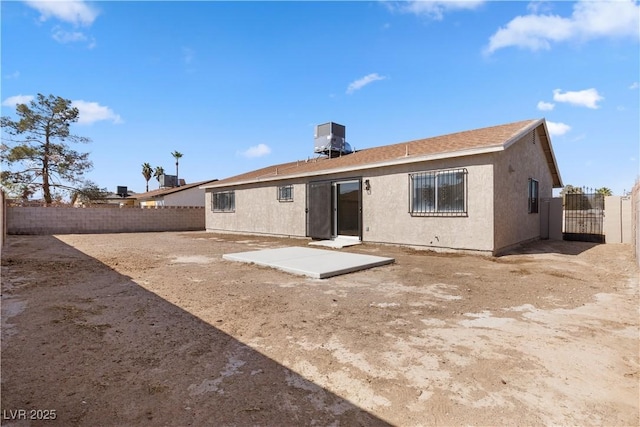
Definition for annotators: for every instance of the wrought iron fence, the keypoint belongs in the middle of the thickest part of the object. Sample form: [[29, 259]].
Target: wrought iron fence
[[583, 216]]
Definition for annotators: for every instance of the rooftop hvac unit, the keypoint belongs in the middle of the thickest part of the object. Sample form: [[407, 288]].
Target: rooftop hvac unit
[[168, 181], [122, 191], [330, 139]]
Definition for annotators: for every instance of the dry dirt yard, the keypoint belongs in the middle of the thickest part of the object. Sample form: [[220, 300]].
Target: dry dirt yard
[[157, 329]]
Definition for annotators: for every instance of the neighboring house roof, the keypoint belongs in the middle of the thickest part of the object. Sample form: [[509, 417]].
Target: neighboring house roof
[[115, 196], [467, 143], [161, 192]]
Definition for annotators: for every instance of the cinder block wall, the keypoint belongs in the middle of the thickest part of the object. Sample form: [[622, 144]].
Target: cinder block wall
[[69, 220], [635, 220], [3, 218]]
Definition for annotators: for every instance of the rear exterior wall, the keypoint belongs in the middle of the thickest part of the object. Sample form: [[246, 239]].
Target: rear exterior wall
[[386, 216], [258, 211], [385, 208], [522, 160]]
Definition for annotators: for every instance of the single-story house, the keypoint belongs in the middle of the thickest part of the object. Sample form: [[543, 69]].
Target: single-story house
[[477, 190], [185, 195]]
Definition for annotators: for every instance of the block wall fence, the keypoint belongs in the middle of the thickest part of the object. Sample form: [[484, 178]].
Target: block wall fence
[[69, 220], [635, 220]]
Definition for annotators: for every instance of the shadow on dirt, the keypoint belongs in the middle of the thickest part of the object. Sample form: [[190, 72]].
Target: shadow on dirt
[[93, 345], [562, 247]]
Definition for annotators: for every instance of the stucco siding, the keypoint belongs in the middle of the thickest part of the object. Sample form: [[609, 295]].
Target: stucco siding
[[385, 208], [190, 197], [258, 210], [386, 217], [513, 168]]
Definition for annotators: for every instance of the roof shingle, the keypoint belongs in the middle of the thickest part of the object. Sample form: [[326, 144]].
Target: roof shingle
[[453, 144]]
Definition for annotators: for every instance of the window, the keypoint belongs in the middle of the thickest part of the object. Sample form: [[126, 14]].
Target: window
[[533, 196], [439, 193], [224, 201], [285, 193]]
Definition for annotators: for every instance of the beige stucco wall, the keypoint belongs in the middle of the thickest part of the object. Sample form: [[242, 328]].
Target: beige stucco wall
[[385, 213], [513, 167], [617, 224], [386, 217], [191, 197], [259, 211]]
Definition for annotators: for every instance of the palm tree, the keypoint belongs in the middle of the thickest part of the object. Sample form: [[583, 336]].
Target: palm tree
[[604, 191], [176, 155], [147, 172], [158, 173]]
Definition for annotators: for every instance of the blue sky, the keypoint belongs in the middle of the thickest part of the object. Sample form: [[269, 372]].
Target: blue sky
[[236, 86]]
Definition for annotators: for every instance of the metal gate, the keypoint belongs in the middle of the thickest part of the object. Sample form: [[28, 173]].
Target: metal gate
[[583, 216]]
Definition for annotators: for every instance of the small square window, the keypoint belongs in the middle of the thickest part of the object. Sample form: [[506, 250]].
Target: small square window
[[285, 193]]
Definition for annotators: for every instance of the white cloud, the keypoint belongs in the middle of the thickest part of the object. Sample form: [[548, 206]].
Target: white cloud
[[589, 20], [188, 55], [557, 129], [360, 83], [12, 101], [546, 106], [434, 9], [62, 36], [538, 6], [75, 12], [634, 85], [584, 98], [256, 151], [91, 112], [13, 75]]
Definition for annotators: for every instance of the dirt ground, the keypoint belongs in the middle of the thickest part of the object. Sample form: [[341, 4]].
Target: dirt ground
[[157, 329]]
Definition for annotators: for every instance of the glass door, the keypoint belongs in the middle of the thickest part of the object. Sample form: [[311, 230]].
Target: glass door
[[346, 208]]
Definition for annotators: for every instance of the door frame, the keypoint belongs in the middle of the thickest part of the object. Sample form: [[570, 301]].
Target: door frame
[[334, 208], [333, 205]]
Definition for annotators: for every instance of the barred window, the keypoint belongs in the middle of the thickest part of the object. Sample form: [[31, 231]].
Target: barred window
[[533, 196], [223, 201], [438, 193], [285, 193]]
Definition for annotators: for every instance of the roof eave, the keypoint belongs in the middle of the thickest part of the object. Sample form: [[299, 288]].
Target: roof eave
[[550, 156], [394, 162]]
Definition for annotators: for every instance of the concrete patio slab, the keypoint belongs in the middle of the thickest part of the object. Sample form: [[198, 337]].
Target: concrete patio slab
[[316, 263]]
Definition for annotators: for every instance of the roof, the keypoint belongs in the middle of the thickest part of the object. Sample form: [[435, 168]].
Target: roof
[[467, 143], [161, 192]]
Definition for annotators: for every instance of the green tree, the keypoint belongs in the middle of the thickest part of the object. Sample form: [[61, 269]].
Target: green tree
[[570, 189], [604, 191], [35, 152], [157, 173], [177, 155], [147, 172], [89, 193]]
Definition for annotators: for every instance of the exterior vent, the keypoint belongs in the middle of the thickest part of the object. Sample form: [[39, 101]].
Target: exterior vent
[[168, 181], [330, 140]]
